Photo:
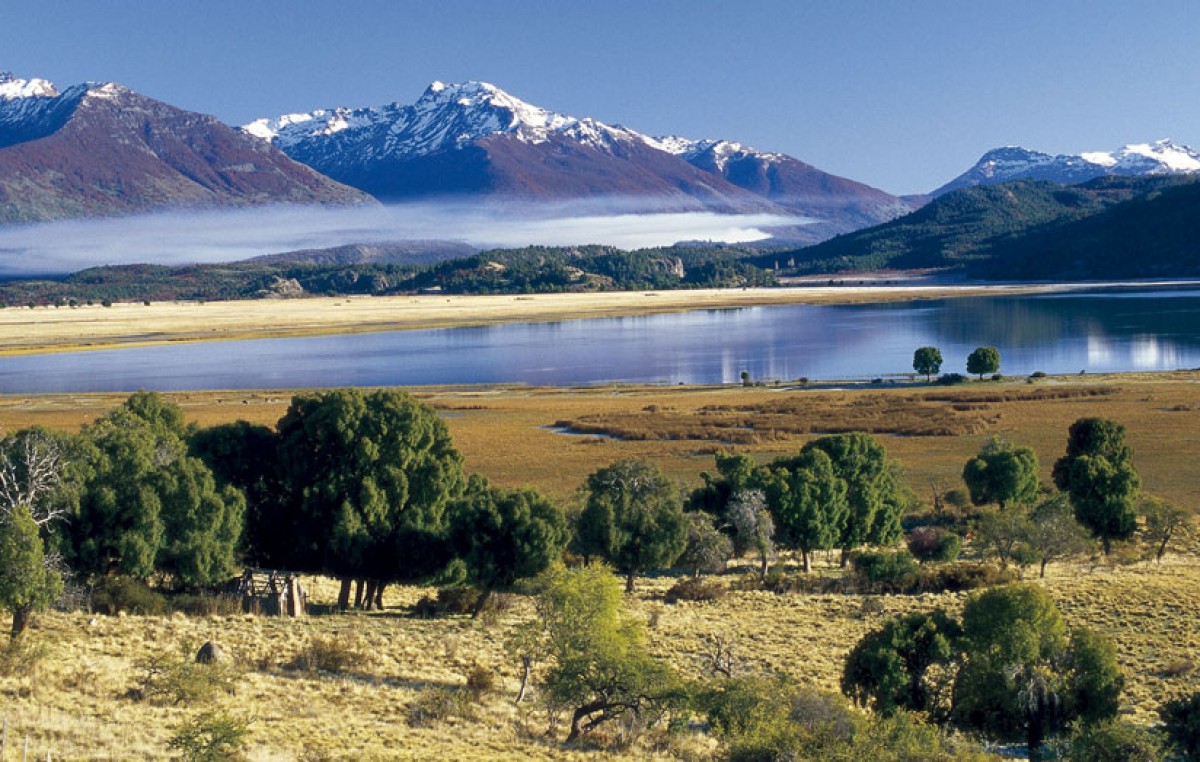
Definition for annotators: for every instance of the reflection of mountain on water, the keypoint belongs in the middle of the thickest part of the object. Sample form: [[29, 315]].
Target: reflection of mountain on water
[[1056, 334]]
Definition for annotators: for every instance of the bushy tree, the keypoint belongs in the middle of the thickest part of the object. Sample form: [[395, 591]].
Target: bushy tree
[[1181, 721], [369, 475], [147, 506], [27, 582], [983, 360], [887, 669], [872, 491], [1098, 475], [1113, 740], [1002, 474], [928, 361], [1007, 535], [1022, 677], [505, 535], [633, 518], [753, 527], [934, 544], [808, 502], [706, 548], [598, 666]]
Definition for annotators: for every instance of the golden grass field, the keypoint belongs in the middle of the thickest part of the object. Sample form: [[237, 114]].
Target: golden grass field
[[42, 329], [73, 703]]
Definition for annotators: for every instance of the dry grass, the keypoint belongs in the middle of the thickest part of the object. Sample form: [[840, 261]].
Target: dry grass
[[409, 698]]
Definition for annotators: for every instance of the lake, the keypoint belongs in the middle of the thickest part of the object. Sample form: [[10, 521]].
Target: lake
[[1122, 330]]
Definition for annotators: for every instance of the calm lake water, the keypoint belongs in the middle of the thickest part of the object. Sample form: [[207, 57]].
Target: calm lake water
[[1063, 333]]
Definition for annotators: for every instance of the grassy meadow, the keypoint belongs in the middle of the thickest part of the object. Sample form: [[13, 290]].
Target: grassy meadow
[[403, 697]]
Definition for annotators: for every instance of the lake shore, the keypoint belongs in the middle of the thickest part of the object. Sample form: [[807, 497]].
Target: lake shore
[[61, 329]]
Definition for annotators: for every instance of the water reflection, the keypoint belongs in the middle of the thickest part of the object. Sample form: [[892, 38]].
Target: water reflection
[[1057, 334]]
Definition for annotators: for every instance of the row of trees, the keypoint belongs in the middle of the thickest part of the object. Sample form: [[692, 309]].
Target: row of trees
[[983, 360]]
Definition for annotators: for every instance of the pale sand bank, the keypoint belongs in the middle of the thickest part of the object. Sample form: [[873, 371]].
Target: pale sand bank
[[51, 329]]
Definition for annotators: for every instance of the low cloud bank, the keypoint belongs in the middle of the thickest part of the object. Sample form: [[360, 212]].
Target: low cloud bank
[[175, 238]]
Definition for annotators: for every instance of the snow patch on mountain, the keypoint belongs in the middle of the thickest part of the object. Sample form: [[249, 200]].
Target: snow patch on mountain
[[12, 88]]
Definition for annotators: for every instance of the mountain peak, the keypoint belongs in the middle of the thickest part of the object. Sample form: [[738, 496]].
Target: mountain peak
[[12, 88]]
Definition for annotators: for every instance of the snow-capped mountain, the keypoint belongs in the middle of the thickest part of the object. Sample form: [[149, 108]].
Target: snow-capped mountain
[[475, 139], [99, 149], [1000, 165]]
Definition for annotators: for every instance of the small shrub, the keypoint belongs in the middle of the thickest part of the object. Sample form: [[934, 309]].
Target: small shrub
[[695, 589], [331, 654], [1113, 740], [177, 679], [894, 572], [106, 303], [951, 379], [22, 656], [206, 605], [115, 594], [459, 600], [1037, 374], [934, 544], [957, 578], [436, 705], [211, 737], [1178, 668], [997, 376], [481, 681]]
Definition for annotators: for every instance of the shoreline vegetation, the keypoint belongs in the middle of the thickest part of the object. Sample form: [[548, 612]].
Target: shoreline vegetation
[[46, 329]]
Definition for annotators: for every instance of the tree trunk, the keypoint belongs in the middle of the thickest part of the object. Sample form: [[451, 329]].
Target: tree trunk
[[358, 593], [845, 558], [20, 620], [344, 594], [578, 716], [764, 568], [1106, 545], [526, 668], [370, 599], [629, 582], [1042, 574], [379, 586], [805, 560], [480, 602], [1162, 549], [1034, 735]]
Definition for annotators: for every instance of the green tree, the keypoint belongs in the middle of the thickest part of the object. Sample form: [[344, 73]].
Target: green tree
[[147, 506], [706, 549], [808, 502], [598, 667], [872, 490], [927, 360], [505, 535], [243, 455], [887, 669], [1022, 677], [1181, 721], [1114, 740], [633, 518], [27, 582], [1098, 475], [369, 476], [1002, 474], [983, 360]]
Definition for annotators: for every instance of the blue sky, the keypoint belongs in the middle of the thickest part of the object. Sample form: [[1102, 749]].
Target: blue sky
[[900, 95]]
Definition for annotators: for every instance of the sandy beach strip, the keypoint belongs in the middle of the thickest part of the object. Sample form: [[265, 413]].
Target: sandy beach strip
[[26, 330]]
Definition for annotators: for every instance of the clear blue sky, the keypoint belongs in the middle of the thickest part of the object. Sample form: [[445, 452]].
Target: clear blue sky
[[901, 95]]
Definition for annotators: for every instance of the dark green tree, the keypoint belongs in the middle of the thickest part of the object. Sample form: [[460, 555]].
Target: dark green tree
[[633, 518], [927, 360], [983, 360], [1181, 720], [1002, 474], [1098, 475], [808, 502], [872, 490], [27, 582], [243, 455], [1022, 677], [887, 669], [505, 535], [147, 506], [369, 476]]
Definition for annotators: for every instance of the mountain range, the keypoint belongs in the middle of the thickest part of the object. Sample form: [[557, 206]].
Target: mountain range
[[1002, 165], [102, 150], [474, 139]]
